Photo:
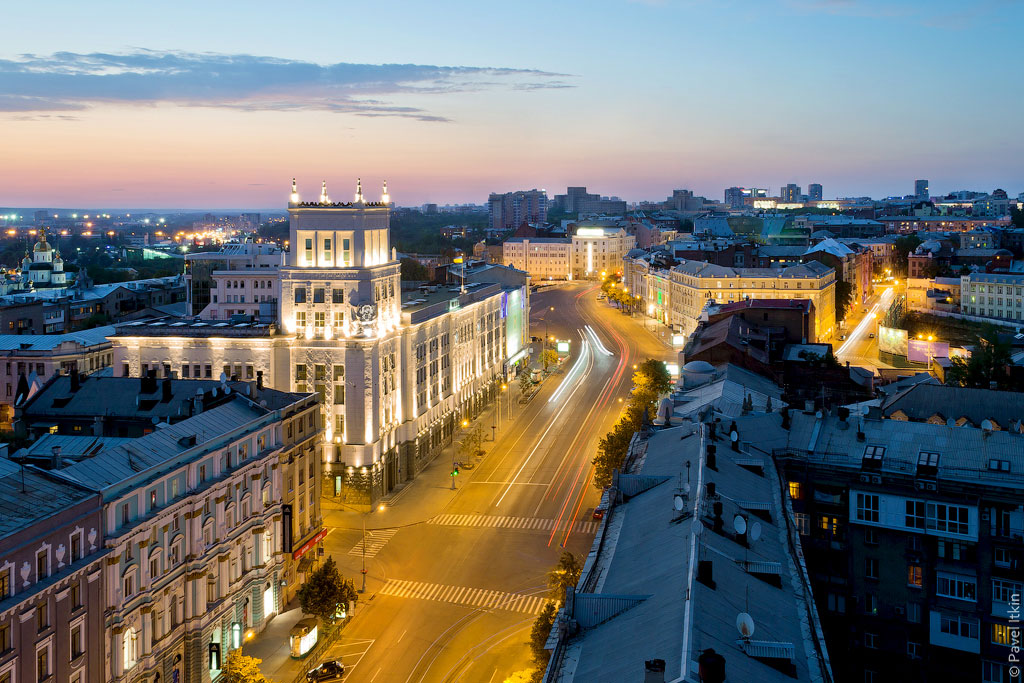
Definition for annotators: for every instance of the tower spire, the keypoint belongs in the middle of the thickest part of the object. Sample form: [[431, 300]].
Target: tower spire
[[385, 198], [294, 198], [359, 190], [324, 199]]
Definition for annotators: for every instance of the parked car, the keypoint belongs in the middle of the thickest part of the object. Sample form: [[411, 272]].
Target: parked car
[[600, 297], [871, 336], [599, 513], [842, 337], [331, 670]]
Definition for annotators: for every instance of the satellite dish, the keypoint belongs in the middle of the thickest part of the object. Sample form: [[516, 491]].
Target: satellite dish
[[755, 531], [818, 415], [733, 436], [677, 502], [686, 487], [986, 425], [739, 524], [156, 419], [951, 422], [745, 624]]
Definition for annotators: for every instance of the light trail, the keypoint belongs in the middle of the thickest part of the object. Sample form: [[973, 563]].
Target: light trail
[[597, 341], [854, 337], [575, 373]]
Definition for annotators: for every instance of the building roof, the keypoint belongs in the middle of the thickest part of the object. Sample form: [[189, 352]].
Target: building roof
[[43, 496], [924, 400], [48, 342], [639, 598], [812, 269], [965, 453], [770, 304], [830, 246], [126, 460], [729, 387]]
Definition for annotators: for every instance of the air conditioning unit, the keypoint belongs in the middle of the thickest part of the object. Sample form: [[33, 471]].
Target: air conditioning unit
[[930, 486], [919, 485], [875, 479], [865, 478], [900, 610]]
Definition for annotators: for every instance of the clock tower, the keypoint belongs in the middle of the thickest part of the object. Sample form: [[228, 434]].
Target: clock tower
[[340, 308]]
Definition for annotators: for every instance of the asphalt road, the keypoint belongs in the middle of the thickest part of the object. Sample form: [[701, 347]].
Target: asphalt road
[[455, 579], [861, 348]]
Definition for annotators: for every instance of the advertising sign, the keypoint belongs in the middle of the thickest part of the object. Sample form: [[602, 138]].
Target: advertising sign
[[892, 340], [921, 351]]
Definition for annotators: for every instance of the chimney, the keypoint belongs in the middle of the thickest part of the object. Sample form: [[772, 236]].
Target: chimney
[[717, 522], [197, 403], [76, 381], [259, 380], [711, 460], [654, 671], [705, 573], [711, 667], [147, 384], [709, 488], [58, 462], [166, 397]]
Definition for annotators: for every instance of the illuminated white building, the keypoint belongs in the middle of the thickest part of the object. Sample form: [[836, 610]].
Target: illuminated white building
[[584, 256], [395, 374]]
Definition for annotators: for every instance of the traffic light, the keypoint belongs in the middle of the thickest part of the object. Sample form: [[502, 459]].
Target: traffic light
[[455, 472]]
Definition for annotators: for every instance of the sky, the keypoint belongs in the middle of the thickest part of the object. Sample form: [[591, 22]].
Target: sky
[[219, 104]]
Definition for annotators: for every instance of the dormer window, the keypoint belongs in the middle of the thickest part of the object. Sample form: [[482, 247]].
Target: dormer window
[[873, 457], [927, 464]]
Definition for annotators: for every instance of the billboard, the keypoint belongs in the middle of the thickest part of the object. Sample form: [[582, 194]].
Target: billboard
[[513, 305], [892, 340], [921, 351]]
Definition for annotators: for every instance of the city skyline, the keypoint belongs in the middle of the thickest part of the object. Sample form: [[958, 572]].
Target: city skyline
[[448, 110]]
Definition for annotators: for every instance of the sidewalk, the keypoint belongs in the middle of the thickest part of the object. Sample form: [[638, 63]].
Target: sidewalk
[[273, 648]]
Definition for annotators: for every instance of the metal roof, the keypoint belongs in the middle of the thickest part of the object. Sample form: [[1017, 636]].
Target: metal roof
[[48, 342]]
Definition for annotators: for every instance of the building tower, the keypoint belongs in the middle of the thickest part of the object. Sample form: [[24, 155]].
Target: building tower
[[814, 192], [921, 189]]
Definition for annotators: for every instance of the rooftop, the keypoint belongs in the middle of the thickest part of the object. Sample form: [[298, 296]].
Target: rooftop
[[48, 342], [43, 496], [923, 401]]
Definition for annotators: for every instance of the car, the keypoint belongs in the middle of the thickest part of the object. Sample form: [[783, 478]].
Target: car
[[599, 513], [842, 337], [871, 336], [331, 670], [600, 297]]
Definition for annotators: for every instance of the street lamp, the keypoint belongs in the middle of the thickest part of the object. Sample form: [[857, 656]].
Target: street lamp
[[465, 423]]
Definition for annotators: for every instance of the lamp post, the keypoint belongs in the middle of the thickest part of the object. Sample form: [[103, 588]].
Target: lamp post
[[550, 310], [362, 517], [465, 423]]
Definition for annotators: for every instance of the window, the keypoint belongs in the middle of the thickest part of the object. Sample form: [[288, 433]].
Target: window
[[42, 564], [43, 663], [339, 318], [129, 585], [871, 604], [871, 567], [77, 643], [152, 500], [346, 245], [913, 650], [202, 473], [5, 637], [871, 676], [794, 490], [913, 613], [124, 513], [154, 568], [1002, 634], [914, 576], [211, 590], [836, 603], [327, 252], [42, 617], [130, 648], [870, 537], [309, 252], [997, 672], [873, 455], [871, 641], [1003, 592], [949, 518], [956, 625], [300, 295], [867, 507], [337, 296], [914, 514], [75, 595], [1002, 557], [956, 586], [318, 295]]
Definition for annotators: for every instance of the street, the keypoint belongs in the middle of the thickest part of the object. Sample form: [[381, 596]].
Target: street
[[861, 345], [455, 578]]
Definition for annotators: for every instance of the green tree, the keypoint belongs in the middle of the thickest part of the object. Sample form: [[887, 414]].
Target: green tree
[[539, 636], [471, 442], [904, 245], [988, 363], [844, 297], [239, 668], [565, 574], [326, 592], [413, 271], [548, 357], [652, 375], [525, 383]]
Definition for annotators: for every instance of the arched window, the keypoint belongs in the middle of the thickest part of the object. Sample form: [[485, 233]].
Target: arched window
[[130, 648]]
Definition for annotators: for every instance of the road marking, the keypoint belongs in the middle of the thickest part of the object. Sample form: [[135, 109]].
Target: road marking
[[375, 540], [499, 522], [337, 651], [462, 595]]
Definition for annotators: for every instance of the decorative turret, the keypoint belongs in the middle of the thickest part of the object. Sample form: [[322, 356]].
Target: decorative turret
[[294, 198], [324, 199], [385, 198], [359, 190]]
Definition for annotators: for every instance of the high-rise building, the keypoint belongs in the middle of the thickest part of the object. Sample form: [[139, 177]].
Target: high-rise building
[[395, 374], [510, 210], [790, 193], [814, 192], [921, 189], [734, 197], [249, 222]]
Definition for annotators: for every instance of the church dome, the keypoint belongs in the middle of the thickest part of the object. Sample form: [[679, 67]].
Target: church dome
[[42, 245]]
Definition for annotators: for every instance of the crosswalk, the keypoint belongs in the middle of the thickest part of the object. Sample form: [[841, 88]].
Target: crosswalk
[[375, 540], [461, 595], [523, 523]]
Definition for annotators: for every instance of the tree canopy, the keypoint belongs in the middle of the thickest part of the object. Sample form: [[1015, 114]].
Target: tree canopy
[[326, 592], [239, 668]]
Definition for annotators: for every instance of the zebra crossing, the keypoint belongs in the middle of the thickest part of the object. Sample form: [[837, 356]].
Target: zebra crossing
[[523, 523], [375, 540], [480, 598]]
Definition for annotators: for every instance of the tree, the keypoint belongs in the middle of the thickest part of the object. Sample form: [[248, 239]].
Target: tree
[[326, 592], [904, 245], [539, 636], [471, 442], [844, 297], [548, 357], [413, 271], [988, 363], [652, 375], [565, 574], [525, 383], [239, 668]]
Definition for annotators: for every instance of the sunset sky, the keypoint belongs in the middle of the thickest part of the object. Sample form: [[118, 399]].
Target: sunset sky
[[218, 104]]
